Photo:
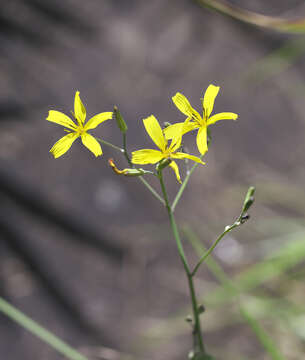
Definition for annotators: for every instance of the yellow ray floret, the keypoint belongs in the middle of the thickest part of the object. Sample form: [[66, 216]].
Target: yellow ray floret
[[195, 120], [150, 156], [77, 129]]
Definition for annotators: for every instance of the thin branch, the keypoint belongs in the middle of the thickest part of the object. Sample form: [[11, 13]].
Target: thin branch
[[209, 251], [109, 144], [182, 187], [148, 186], [296, 25]]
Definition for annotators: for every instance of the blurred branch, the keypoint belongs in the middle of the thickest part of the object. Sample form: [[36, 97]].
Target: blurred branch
[[37, 27], [275, 63], [261, 334], [19, 244], [35, 202], [61, 13], [39, 331], [253, 18], [104, 353], [11, 28], [13, 110]]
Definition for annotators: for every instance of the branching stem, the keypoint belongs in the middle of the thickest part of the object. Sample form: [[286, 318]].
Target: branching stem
[[183, 185], [109, 144], [210, 250], [125, 152], [197, 336]]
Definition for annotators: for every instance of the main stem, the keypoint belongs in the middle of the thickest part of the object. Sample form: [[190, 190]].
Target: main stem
[[197, 337]]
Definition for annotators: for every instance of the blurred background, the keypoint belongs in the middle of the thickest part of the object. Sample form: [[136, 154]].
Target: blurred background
[[89, 254]]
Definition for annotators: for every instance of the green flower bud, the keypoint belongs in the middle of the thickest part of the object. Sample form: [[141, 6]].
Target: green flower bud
[[119, 120], [134, 172], [163, 164], [249, 199], [127, 172]]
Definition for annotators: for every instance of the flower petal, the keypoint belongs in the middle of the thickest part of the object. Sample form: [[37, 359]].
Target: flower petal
[[222, 116], [209, 99], [175, 144], [146, 156], [174, 166], [63, 144], [79, 109], [185, 107], [179, 128], [181, 155], [97, 120], [202, 140], [155, 132], [61, 119], [92, 144]]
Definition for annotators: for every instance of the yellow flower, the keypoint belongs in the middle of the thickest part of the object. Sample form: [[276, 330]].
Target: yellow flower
[[150, 156], [194, 120], [76, 130]]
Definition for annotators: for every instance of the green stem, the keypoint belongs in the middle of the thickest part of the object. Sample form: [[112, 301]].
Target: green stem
[[243, 217], [173, 224], [183, 185], [125, 151], [109, 144], [231, 288], [39, 331], [197, 334], [149, 187], [198, 342], [152, 190], [209, 251]]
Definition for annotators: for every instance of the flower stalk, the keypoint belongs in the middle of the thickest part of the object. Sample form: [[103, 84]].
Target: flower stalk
[[197, 334]]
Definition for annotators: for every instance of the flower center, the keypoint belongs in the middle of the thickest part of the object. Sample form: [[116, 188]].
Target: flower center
[[203, 120], [167, 153], [80, 130]]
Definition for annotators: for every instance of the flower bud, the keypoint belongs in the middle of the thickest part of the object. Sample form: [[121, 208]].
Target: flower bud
[[163, 164], [119, 120], [249, 199], [114, 168], [134, 172], [127, 172]]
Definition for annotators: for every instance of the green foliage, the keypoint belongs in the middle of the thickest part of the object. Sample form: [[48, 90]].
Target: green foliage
[[39, 331]]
